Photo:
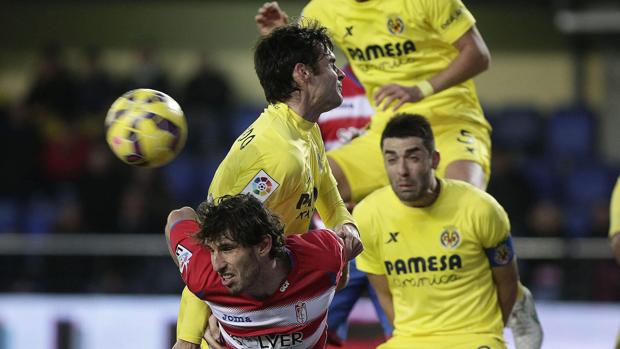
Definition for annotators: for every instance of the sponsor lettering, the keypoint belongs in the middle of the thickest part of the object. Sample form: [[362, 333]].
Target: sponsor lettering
[[424, 281], [233, 318], [283, 340], [392, 64], [391, 49], [421, 264], [453, 16]]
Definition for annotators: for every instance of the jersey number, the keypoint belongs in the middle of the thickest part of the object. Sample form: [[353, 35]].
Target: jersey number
[[246, 137]]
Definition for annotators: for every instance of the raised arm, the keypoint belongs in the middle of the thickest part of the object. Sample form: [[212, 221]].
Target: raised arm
[[269, 17], [473, 58]]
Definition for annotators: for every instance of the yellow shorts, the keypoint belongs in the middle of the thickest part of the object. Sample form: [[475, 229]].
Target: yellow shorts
[[469, 341], [362, 162]]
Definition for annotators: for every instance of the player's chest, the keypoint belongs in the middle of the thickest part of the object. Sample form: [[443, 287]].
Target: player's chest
[[377, 33], [418, 246]]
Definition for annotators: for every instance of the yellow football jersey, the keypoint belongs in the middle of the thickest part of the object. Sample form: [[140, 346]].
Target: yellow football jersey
[[435, 261], [403, 42], [614, 214], [280, 159]]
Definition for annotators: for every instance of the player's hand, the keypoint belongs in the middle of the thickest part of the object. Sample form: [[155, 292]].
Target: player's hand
[[393, 92], [269, 17], [351, 239], [212, 334]]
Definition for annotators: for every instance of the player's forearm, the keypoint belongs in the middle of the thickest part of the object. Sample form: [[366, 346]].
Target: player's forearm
[[506, 279], [332, 209], [615, 245], [344, 278], [384, 295], [473, 59]]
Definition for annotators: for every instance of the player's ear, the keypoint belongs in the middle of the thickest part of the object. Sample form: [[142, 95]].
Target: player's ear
[[435, 159], [264, 247], [301, 73]]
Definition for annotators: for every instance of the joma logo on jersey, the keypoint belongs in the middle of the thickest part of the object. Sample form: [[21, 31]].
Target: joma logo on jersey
[[232, 318], [392, 49], [421, 264]]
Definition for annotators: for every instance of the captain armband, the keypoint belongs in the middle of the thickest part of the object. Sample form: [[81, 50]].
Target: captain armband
[[501, 254]]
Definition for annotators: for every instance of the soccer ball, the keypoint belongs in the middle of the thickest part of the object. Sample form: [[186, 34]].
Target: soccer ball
[[145, 128]]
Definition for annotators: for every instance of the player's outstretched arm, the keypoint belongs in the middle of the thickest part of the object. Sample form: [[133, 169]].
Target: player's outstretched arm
[[269, 17], [506, 278], [380, 284], [473, 59]]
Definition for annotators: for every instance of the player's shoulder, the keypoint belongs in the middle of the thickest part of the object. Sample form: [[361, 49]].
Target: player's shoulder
[[264, 135], [377, 198], [314, 247], [470, 196]]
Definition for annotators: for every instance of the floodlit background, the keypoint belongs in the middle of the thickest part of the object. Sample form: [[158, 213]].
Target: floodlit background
[[83, 263]]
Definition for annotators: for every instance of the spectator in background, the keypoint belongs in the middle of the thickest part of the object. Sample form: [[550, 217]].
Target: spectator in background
[[21, 143], [53, 93], [100, 190], [95, 89], [144, 196], [148, 73], [208, 97]]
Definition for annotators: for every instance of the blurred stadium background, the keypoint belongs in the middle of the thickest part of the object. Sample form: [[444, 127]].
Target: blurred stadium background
[[83, 263]]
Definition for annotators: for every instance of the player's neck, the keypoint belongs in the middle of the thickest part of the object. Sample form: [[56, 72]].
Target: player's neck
[[272, 274], [304, 106], [429, 197]]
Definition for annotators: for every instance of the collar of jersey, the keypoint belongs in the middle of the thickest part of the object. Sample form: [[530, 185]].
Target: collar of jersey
[[292, 117]]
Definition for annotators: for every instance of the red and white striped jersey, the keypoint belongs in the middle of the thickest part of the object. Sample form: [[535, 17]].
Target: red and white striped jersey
[[293, 317], [340, 125]]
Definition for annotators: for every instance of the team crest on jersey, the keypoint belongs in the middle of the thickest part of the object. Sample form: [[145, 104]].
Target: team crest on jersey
[[183, 256], [301, 313], [395, 25], [261, 186], [450, 237], [502, 255]]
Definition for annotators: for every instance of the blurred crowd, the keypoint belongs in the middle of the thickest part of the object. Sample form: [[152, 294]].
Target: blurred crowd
[[59, 176]]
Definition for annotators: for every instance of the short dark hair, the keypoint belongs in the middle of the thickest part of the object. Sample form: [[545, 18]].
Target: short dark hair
[[410, 125], [241, 218], [276, 55]]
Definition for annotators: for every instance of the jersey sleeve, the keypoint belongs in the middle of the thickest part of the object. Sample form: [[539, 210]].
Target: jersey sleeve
[[247, 170], [330, 204], [450, 18], [614, 212], [194, 259], [370, 260], [493, 225], [314, 10]]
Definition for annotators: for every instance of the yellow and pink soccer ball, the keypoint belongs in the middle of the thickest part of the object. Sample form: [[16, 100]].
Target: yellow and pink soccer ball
[[145, 127]]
